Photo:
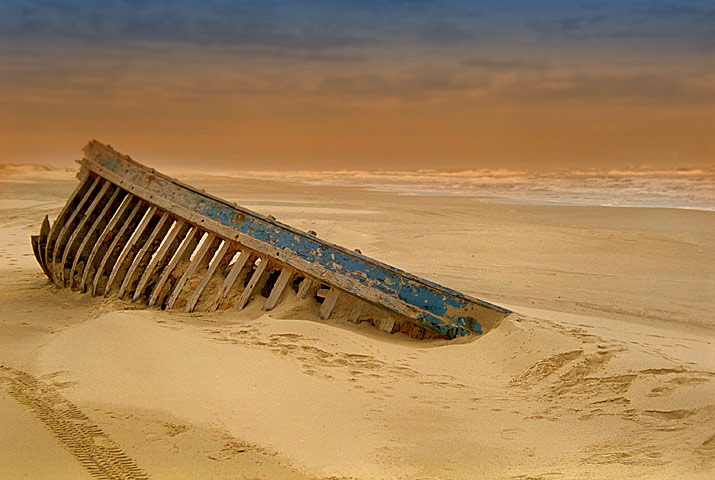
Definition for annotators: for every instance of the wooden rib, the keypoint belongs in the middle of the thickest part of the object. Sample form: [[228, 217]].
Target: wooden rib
[[233, 275], [178, 256], [355, 313], [281, 283], [159, 260], [327, 307], [60, 242], [100, 242], [94, 231], [38, 246], [304, 287], [78, 231], [213, 267], [257, 274], [208, 245], [35, 242], [84, 184], [136, 234], [144, 255], [119, 239]]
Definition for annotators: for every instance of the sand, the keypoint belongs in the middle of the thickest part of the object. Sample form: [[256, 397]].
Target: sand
[[606, 370]]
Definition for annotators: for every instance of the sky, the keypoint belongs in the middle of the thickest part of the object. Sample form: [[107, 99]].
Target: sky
[[364, 84]]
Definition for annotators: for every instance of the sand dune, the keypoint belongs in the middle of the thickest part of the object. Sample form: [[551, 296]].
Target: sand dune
[[607, 370]]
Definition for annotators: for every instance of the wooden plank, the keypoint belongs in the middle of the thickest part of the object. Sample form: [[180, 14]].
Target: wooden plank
[[213, 267], [97, 226], [136, 234], [38, 245], [354, 316], [79, 230], [166, 249], [156, 295], [109, 258], [84, 184], [304, 287], [241, 263], [387, 324], [206, 247], [252, 283], [144, 255], [67, 227], [327, 307], [103, 237], [281, 283]]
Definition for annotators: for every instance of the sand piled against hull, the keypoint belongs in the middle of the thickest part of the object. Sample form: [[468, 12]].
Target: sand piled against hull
[[607, 370]]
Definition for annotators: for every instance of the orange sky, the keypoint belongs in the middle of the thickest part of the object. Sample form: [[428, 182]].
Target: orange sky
[[530, 99]]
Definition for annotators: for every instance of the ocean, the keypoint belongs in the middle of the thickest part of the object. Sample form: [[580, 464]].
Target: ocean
[[690, 188]]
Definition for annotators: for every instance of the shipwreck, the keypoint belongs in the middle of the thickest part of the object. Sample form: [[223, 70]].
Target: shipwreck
[[134, 233]]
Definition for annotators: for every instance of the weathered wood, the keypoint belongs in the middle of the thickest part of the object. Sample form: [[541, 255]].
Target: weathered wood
[[210, 272], [84, 183], [354, 316], [304, 287], [278, 288], [206, 247], [252, 283], [94, 231], [182, 252], [162, 256], [233, 275], [329, 303], [144, 255], [387, 324], [443, 311], [96, 255], [129, 249], [115, 248], [80, 232], [67, 228], [38, 245]]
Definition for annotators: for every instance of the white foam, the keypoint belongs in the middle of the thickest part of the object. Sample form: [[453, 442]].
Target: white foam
[[640, 187]]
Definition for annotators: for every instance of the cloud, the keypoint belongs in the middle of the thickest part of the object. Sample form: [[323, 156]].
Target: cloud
[[502, 65], [647, 89]]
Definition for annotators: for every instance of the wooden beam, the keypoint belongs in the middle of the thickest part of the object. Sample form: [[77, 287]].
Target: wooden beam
[[213, 267], [255, 278], [206, 246], [283, 279], [327, 307], [354, 316], [91, 237], [100, 243], [304, 287], [115, 248], [79, 231], [178, 256], [231, 278], [144, 255], [84, 184], [67, 227], [136, 234], [166, 249]]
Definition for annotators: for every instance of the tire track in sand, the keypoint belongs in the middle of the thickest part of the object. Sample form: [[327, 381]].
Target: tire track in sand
[[93, 448]]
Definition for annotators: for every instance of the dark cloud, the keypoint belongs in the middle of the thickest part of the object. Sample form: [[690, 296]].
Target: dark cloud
[[315, 25]]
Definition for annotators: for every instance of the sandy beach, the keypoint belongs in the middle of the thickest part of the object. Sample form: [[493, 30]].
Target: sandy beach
[[605, 370]]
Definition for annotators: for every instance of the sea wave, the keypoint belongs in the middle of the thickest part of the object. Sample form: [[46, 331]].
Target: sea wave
[[691, 188]]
